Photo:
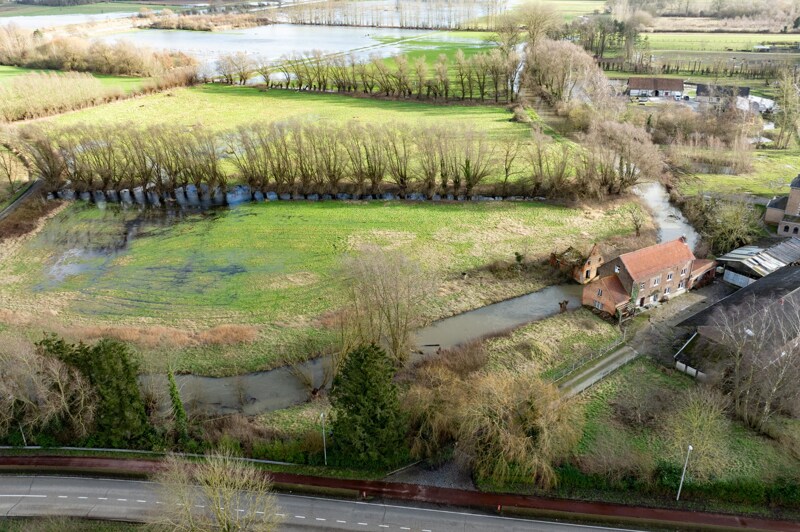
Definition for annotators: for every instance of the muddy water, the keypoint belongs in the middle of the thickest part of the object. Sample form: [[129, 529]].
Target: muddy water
[[670, 221]]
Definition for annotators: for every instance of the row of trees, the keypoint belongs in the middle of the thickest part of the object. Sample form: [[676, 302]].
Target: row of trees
[[25, 48], [305, 158], [486, 76], [416, 14]]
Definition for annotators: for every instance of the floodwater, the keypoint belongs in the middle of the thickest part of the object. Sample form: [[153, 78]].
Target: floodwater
[[269, 42], [669, 219]]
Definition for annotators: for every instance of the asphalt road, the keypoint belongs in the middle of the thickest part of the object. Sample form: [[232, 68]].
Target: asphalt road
[[25, 496]]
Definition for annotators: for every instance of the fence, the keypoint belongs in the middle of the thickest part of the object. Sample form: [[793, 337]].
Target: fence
[[582, 361]]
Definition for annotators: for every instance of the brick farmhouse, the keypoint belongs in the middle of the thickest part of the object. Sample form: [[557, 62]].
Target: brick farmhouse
[[646, 276]]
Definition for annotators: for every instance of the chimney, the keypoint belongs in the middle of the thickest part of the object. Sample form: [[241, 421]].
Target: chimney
[[683, 239]]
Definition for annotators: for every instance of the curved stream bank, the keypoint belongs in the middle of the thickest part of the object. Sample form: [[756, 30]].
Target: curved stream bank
[[264, 391]]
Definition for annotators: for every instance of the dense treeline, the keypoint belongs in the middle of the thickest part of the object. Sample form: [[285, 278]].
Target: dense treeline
[[488, 76], [24, 48], [325, 158]]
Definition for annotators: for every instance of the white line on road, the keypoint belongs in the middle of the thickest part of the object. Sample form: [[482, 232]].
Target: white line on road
[[102, 498], [122, 500], [83, 497], [62, 496], [299, 517], [383, 526], [340, 521], [32, 496], [140, 500], [321, 519], [363, 524]]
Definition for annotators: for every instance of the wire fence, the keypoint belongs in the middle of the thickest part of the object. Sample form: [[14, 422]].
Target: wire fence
[[566, 371]]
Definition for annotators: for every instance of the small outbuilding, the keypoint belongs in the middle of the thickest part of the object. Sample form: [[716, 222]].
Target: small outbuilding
[[663, 87]]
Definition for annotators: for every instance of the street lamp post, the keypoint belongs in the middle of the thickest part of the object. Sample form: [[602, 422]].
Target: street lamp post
[[324, 442], [685, 464]]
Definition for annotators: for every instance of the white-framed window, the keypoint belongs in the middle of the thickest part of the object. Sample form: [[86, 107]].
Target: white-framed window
[[667, 290], [598, 305], [616, 269], [654, 298], [681, 284], [599, 292], [683, 272], [669, 276], [657, 281], [641, 286]]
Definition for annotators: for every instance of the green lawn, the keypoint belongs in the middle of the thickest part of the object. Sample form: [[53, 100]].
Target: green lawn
[[125, 84], [748, 455], [272, 266], [223, 108], [25, 10], [773, 170]]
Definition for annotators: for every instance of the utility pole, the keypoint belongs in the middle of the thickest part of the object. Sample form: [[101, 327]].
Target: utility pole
[[685, 464], [324, 441]]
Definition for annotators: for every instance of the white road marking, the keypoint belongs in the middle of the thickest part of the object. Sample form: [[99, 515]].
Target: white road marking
[[259, 513], [404, 528], [32, 496], [321, 519], [62, 496], [122, 500], [83, 497], [281, 515], [102, 498], [159, 502], [340, 521], [383, 526], [363, 524], [299, 517], [140, 500], [239, 510]]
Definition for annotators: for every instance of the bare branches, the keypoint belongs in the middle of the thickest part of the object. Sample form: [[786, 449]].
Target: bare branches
[[217, 493]]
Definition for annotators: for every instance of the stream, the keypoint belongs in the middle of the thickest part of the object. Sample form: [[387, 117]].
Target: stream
[[280, 388]]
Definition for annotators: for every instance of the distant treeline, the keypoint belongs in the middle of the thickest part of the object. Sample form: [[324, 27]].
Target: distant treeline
[[57, 2]]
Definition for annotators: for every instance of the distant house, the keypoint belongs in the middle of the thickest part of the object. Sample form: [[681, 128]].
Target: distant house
[[762, 48], [761, 105], [745, 265], [641, 278], [655, 87], [582, 268], [784, 211], [718, 93]]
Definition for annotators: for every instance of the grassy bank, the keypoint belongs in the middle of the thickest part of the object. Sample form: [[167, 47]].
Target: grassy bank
[[272, 267], [773, 170], [223, 107]]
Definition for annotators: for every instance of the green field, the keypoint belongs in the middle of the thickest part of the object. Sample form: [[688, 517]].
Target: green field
[[224, 107], [575, 8], [24, 10], [273, 266], [773, 170], [718, 42], [125, 84]]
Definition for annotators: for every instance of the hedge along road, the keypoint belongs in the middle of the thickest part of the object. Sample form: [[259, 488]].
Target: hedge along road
[[259, 392]]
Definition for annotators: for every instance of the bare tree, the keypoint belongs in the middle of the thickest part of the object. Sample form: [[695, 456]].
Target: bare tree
[[217, 493], [637, 217], [761, 344], [386, 295], [509, 150], [699, 420], [399, 145]]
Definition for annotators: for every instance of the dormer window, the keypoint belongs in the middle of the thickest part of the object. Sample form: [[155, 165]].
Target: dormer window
[[616, 269]]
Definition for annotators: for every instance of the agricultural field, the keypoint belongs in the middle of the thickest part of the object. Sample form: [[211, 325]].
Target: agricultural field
[[717, 42], [23, 10], [747, 455], [122, 83], [225, 107], [575, 8], [773, 170], [271, 268]]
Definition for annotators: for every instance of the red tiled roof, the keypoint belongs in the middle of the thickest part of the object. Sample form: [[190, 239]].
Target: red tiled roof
[[653, 259], [701, 266], [655, 84], [613, 288]]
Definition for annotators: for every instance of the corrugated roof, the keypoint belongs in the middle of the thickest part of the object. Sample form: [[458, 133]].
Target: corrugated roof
[[653, 259], [765, 261]]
